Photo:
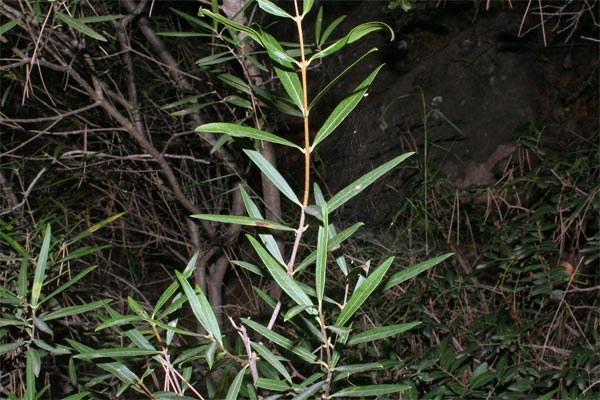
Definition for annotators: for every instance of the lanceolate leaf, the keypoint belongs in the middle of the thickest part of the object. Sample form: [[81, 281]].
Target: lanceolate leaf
[[370, 390], [272, 9], [234, 389], [363, 292], [306, 6], [254, 212], [236, 130], [9, 25], [380, 333], [231, 24], [274, 176], [343, 109], [80, 26], [201, 308], [284, 281], [40, 269], [281, 340], [284, 68], [116, 353], [269, 357], [241, 220], [363, 182], [74, 310], [415, 270], [321, 268]]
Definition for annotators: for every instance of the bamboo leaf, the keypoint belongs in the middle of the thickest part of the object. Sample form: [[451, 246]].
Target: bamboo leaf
[[40, 268], [307, 6], [284, 68], [268, 240], [363, 292], [80, 26], [236, 130], [201, 308], [241, 220], [287, 284], [9, 25], [234, 389], [272, 384], [381, 333], [272, 174], [321, 266], [334, 82], [74, 310], [269, 357], [5, 348], [116, 353], [69, 283], [88, 231], [370, 390], [363, 182], [415, 270], [16, 246], [310, 391], [272, 9], [342, 110], [230, 24]]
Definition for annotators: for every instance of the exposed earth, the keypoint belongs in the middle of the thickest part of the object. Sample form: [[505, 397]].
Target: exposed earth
[[472, 78]]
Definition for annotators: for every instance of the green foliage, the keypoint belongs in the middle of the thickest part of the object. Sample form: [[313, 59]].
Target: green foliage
[[30, 304]]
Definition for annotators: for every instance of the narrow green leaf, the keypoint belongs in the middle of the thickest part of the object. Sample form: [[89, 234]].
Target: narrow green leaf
[[380, 333], [363, 292], [216, 58], [268, 240], [22, 282], [284, 68], [310, 391], [80, 26], [100, 18], [88, 231], [286, 283], [5, 348], [42, 326], [15, 245], [415, 270], [307, 6], [272, 174], [192, 20], [236, 130], [363, 182], [68, 284], [272, 384], [272, 9], [333, 243], [30, 390], [321, 267], [269, 357], [344, 108], [74, 310], [201, 308], [40, 268], [188, 270], [119, 321], [116, 353], [78, 396], [280, 340], [9, 25], [121, 371], [235, 82], [136, 307], [248, 266], [370, 390], [231, 24], [59, 349], [36, 360], [330, 28], [335, 80], [319, 25], [241, 220], [234, 389]]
